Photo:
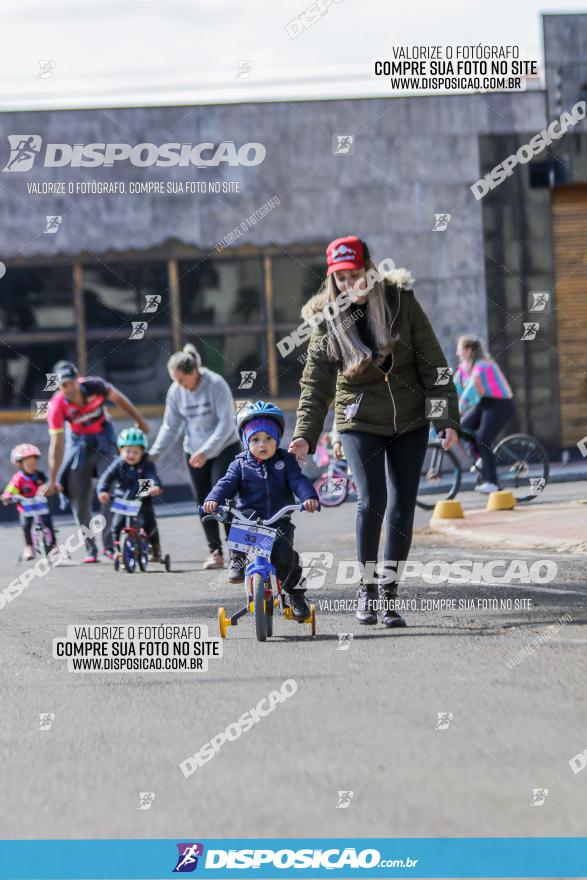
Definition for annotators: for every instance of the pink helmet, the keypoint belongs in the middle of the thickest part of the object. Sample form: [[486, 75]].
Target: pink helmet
[[23, 450]]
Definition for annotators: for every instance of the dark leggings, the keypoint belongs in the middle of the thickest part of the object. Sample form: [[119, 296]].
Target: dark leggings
[[483, 423], [387, 472], [147, 519], [203, 480], [27, 523]]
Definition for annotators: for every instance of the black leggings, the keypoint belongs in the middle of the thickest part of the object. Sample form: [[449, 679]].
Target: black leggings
[[385, 468], [27, 523], [203, 480], [483, 423]]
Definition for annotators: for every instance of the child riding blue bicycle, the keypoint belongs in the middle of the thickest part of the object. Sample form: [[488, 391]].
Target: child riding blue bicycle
[[263, 480]]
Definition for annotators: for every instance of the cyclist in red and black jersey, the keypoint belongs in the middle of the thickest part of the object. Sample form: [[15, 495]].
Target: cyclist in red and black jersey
[[82, 402]]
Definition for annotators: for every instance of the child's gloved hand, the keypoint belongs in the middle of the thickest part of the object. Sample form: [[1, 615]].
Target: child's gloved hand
[[103, 497], [311, 505], [155, 490], [210, 506]]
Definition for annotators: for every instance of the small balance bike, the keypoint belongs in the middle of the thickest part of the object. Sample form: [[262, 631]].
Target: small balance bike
[[43, 538], [134, 544], [262, 587]]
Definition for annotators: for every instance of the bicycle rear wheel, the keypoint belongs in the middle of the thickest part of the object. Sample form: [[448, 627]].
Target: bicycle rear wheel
[[440, 478], [522, 466]]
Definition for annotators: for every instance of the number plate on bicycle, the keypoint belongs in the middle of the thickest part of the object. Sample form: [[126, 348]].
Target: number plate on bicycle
[[126, 506], [259, 539], [35, 506]]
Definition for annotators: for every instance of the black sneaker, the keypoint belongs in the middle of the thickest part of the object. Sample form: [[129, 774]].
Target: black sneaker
[[367, 610], [299, 607], [391, 617], [236, 567]]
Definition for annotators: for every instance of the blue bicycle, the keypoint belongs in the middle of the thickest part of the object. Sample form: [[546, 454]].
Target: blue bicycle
[[262, 586]]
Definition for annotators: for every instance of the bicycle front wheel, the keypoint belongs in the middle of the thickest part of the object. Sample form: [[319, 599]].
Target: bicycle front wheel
[[332, 491], [440, 478], [260, 615], [522, 466]]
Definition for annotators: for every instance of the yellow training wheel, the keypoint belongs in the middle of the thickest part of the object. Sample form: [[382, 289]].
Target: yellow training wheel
[[222, 622]]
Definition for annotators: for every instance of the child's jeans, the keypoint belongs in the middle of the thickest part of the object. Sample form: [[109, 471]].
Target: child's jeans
[[283, 555]]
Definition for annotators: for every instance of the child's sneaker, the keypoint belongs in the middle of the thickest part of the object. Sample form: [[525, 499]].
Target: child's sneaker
[[214, 560], [299, 607], [90, 558], [236, 567], [28, 553]]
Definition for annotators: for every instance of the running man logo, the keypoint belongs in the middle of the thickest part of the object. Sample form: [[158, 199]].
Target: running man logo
[[144, 489], [247, 379], [46, 68], [187, 860], [52, 383], [46, 719], [344, 641], [244, 69], [53, 224], [39, 410], [344, 800], [138, 329], [540, 301], [582, 446], [23, 151], [537, 484], [443, 375], [343, 145], [153, 301], [146, 798], [444, 719], [539, 795], [436, 407], [315, 576], [441, 222], [530, 330]]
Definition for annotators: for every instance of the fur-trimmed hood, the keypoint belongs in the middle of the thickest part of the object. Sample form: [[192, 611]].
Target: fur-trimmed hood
[[401, 278]]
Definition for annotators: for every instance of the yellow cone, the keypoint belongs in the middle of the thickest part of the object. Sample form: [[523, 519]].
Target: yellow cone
[[502, 500], [448, 510]]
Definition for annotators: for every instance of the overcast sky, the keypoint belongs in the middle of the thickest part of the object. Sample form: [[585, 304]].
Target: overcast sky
[[140, 52]]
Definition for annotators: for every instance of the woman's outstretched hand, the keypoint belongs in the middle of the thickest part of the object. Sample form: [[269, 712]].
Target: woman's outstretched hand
[[300, 448], [449, 438]]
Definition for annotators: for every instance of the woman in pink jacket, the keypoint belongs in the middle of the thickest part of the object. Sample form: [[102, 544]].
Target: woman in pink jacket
[[485, 402]]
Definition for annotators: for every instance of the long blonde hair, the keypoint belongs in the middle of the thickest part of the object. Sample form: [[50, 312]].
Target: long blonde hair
[[343, 340]]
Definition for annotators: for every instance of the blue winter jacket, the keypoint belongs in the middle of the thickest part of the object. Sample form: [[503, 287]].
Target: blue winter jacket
[[263, 486], [126, 477]]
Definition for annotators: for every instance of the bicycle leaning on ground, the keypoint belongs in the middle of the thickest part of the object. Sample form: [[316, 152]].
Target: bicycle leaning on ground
[[521, 460], [262, 586]]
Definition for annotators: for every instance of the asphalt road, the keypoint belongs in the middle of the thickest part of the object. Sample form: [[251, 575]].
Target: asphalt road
[[363, 719]]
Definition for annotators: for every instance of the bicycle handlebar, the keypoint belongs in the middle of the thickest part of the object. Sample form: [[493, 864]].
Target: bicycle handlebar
[[226, 509]]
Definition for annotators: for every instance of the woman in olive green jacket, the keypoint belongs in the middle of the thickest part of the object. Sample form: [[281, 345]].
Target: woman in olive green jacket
[[374, 353]]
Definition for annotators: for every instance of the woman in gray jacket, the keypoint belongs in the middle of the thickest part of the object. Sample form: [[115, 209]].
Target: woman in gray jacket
[[200, 407]]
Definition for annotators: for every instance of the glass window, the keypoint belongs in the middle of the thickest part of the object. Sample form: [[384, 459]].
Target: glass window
[[23, 370], [295, 280], [289, 371], [137, 367], [221, 291], [122, 292], [232, 355], [36, 298]]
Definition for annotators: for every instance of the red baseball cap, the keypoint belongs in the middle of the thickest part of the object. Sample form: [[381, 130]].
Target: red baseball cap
[[345, 253]]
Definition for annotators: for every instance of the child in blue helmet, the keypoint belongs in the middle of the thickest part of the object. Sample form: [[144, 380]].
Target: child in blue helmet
[[128, 474], [264, 479]]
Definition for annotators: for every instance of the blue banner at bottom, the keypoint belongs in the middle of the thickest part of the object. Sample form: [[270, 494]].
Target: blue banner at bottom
[[298, 857]]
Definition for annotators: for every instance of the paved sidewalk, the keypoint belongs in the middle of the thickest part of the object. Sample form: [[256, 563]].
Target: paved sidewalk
[[560, 527]]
